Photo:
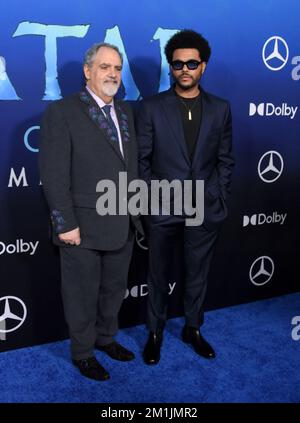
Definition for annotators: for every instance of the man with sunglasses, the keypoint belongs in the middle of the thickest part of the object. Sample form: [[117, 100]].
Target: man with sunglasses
[[184, 133]]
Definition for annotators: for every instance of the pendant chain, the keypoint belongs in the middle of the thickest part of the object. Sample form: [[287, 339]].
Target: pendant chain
[[189, 109]]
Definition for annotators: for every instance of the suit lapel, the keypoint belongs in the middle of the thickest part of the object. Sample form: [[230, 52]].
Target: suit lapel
[[93, 111], [172, 112], [124, 129], [206, 124]]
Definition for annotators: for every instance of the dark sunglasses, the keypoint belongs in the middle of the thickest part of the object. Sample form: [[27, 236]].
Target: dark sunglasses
[[179, 64]]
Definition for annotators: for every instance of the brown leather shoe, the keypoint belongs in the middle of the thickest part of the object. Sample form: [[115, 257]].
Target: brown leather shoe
[[116, 351], [91, 368], [193, 336]]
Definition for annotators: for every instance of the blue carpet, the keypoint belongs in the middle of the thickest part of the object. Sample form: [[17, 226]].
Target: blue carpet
[[257, 361]]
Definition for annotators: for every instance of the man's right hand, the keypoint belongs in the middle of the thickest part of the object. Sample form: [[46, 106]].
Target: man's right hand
[[71, 237]]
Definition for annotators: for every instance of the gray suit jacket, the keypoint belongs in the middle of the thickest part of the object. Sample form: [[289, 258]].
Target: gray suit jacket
[[77, 150]]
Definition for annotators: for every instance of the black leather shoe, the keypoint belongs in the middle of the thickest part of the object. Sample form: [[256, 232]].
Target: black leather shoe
[[91, 368], [151, 353], [116, 351], [193, 336]]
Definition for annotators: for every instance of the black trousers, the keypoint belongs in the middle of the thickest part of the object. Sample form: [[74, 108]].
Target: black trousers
[[93, 288], [197, 246]]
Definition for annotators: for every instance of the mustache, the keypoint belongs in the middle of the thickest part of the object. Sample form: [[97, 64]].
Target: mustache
[[111, 80]]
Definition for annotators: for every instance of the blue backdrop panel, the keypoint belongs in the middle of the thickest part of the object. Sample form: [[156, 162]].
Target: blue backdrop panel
[[255, 64]]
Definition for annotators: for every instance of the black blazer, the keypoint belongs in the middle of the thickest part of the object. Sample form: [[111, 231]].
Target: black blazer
[[163, 151], [76, 152]]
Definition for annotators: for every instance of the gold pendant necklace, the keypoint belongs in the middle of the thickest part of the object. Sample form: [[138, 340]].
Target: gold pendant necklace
[[189, 109]]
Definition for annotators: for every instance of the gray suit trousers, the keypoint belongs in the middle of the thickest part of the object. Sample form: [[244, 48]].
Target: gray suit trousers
[[93, 288]]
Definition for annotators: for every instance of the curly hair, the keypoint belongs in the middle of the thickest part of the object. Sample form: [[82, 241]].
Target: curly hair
[[187, 38]]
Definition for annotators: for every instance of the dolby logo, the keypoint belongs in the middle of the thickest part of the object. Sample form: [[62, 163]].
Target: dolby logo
[[142, 290], [262, 218], [19, 246], [269, 109]]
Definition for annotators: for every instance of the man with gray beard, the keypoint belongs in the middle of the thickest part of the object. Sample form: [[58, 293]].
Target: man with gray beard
[[86, 138]]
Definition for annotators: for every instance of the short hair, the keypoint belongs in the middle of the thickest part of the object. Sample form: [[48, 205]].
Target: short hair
[[188, 38], [92, 51]]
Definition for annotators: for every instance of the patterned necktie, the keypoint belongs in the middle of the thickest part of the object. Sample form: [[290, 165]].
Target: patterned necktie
[[107, 109]]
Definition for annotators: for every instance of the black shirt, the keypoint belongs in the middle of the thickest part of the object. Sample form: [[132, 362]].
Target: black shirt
[[190, 107]]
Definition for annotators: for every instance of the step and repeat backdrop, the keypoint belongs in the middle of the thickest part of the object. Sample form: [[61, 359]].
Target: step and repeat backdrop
[[255, 64]]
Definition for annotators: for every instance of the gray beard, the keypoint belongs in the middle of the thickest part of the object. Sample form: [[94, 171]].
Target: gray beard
[[110, 89]]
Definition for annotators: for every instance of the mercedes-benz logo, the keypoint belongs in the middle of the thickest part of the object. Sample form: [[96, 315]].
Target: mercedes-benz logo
[[141, 240], [270, 166], [275, 53], [261, 270], [14, 310]]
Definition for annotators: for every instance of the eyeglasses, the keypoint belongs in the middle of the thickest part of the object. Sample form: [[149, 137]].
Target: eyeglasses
[[179, 64]]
